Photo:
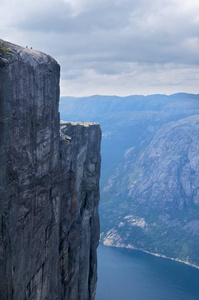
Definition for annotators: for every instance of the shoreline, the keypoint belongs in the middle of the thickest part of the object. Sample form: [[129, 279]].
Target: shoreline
[[151, 253]]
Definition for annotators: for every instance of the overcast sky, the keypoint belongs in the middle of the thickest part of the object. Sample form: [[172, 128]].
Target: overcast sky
[[118, 47]]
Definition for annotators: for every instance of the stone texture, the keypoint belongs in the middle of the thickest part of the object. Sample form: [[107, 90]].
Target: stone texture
[[79, 208], [170, 167], [49, 220]]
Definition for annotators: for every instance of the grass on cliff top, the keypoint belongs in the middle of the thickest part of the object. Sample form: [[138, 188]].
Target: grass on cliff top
[[6, 50]]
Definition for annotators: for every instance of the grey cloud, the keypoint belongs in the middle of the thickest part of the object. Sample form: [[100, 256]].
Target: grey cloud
[[117, 30], [59, 18], [113, 37]]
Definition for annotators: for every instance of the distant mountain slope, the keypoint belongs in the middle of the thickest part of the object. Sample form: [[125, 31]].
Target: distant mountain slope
[[150, 170]]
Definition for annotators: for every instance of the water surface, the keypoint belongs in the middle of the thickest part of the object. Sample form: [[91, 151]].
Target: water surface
[[125, 274]]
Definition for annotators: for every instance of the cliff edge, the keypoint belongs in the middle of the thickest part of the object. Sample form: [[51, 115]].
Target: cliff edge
[[49, 185]]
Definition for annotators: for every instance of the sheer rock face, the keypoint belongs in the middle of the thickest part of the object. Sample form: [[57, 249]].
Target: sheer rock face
[[48, 206], [79, 208]]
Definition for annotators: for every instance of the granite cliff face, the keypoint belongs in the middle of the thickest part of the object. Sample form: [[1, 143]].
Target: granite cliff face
[[48, 185], [168, 168], [79, 209]]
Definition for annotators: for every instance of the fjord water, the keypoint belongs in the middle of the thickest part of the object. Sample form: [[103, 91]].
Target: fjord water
[[125, 274]]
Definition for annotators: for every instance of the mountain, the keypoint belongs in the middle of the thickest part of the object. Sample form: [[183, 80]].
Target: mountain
[[150, 170], [49, 185]]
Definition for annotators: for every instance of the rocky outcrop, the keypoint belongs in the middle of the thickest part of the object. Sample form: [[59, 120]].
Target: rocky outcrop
[[48, 187]]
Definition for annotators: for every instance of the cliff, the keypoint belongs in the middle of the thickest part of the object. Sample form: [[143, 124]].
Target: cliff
[[49, 190]]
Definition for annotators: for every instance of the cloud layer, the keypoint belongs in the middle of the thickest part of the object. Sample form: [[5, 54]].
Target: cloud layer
[[111, 47]]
